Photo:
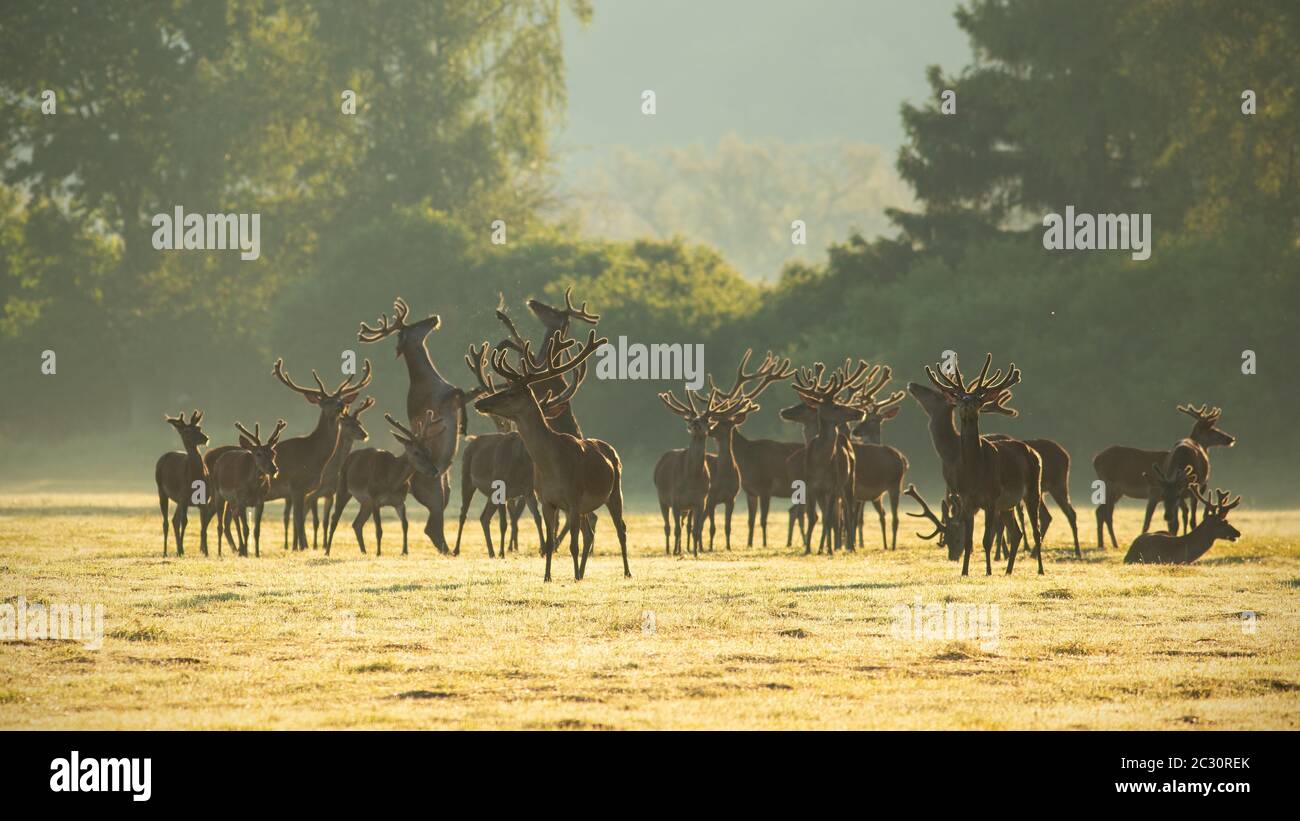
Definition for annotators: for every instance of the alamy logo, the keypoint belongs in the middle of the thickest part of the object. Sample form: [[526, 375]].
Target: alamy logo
[[655, 361], [21, 621], [950, 621], [77, 774], [1100, 232], [208, 232]]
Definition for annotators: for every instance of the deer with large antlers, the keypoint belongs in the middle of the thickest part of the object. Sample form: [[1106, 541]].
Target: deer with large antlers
[[946, 528], [993, 477], [828, 457], [570, 473], [350, 432], [1168, 548], [378, 479], [878, 469], [1121, 469], [302, 459], [179, 475], [242, 478], [682, 477], [727, 411], [428, 391]]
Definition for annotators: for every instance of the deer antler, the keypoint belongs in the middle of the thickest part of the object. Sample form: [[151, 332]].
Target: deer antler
[[278, 371], [252, 437], [280, 425], [476, 361], [527, 373], [578, 313], [1201, 414], [926, 513], [365, 405]]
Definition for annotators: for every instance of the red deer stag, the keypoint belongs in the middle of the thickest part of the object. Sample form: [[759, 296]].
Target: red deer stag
[[1167, 548], [827, 459], [728, 411], [242, 477], [428, 391], [682, 477], [302, 459], [179, 475], [350, 432], [988, 476], [378, 479], [570, 473], [1192, 452], [1121, 470], [1056, 483]]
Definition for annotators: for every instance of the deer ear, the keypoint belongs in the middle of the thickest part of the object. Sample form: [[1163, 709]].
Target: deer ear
[[889, 413], [245, 443], [313, 398]]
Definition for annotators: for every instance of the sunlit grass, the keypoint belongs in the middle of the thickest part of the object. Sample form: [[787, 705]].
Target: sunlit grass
[[754, 638]]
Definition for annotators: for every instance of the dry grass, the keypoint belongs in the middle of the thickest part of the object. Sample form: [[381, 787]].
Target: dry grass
[[756, 638]]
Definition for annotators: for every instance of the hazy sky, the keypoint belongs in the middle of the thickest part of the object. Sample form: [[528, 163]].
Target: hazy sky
[[802, 71]]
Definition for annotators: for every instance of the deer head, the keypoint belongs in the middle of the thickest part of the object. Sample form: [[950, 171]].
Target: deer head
[[1171, 490], [1216, 514], [729, 409], [826, 394], [697, 422], [415, 443], [986, 394], [263, 453], [558, 319], [330, 403], [1204, 431], [877, 411], [192, 436], [515, 398], [408, 335], [350, 422], [948, 529]]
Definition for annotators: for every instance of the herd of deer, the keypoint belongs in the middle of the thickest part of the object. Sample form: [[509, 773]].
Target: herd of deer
[[540, 459]]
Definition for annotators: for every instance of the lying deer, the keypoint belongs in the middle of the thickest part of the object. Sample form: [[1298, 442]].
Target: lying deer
[[179, 475], [1167, 548], [948, 527], [378, 479], [1121, 470], [570, 473], [242, 478]]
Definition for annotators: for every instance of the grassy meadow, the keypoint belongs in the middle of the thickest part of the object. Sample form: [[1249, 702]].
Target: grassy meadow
[[752, 638]]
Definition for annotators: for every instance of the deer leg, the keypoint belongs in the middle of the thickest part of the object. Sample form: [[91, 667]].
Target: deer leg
[[485, 520], [228, 514], [829, 529], [505, 512], [530, 499], [751, 508], [726, 522], [1062, 498], [379, 529], [325, 519], [243, 521], [712, 525], [358, 525], [1015, 532], [177, 529], [466, 494], [205, 514], [162, 505], [1151, 509], [288, 508], [433, 527], [1044, 518], [893, 516], [550, 513], [763, 503], [575, 520], [615, 506], [663, 511], [257, 528], [697, 529], [991, 521], [588, 539], [340, 502], [401, 514], [880, 511]]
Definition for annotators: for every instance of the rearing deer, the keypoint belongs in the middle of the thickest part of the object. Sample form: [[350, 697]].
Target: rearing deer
[[428, 391], [573, 474], [992, 477]]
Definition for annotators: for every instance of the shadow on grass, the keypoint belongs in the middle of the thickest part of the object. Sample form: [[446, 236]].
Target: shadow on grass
[[824, 588]]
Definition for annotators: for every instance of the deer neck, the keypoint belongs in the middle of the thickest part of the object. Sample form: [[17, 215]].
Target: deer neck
[[825, 439], [419, 367], [970, 446], [324, 437], [726, 452], [944, 435], [695, 456], [194, 462], [540, 440], [1197, 543]]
